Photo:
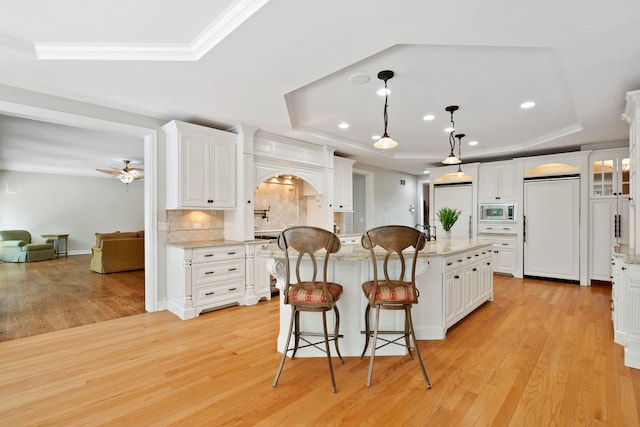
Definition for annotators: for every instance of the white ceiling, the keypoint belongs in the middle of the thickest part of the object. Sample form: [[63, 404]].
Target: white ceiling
[[284, 66]]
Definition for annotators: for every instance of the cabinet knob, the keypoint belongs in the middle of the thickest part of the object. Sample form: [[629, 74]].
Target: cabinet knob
[[209, 201], [474, 269], [456, 277]]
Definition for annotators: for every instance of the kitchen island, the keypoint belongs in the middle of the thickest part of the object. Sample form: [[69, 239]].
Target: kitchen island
[[454, 277]]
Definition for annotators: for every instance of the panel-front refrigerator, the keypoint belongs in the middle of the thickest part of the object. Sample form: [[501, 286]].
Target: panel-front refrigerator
[[552, 228]]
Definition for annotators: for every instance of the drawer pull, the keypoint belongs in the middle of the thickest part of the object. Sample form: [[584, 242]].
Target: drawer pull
[[233, 289], [449, 263], [209, 272], [456, 277], [209, 293], [231, 253], [468, 257], [233, 269], [477, 254], [208, 255], [505, 244], [460, 260], [474, 269]]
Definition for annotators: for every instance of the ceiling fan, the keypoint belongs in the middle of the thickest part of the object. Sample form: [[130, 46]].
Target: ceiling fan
[[127, 175]]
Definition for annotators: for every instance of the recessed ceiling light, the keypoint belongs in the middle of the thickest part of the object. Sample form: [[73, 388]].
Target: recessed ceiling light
[[383, 91], [426, 171], [473, 142], [376, 137], [359, 79], [528, 104], [449, 130], [343, 125], [429, 117]]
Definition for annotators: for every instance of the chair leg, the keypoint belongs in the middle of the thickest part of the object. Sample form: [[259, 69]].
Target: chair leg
[[286, 347], [407, 335], [336, 330], [296, 335], [373, 348], [415, 341], [328, 349], [367, 331]]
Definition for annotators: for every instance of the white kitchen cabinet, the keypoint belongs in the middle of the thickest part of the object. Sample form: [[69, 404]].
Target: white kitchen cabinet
[[342, 184], [497, 181], [609, 208], [201, 167], [258, 279], [618, 299], [467, 283], [504, 253], [610, 173], [204, 278]]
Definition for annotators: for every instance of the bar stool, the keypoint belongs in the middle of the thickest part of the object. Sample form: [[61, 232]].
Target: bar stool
[[311, 294], [386, 293]]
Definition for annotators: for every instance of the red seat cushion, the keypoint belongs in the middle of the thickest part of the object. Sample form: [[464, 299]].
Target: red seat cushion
[[310, 293], [393, 291]]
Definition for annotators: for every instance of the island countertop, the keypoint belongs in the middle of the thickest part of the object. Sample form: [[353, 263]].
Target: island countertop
[[355, 252]]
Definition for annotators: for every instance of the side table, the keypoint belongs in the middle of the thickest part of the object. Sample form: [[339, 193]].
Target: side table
[[57, 238]]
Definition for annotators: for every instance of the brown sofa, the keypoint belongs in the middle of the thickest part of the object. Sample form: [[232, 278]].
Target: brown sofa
[[119, 251]]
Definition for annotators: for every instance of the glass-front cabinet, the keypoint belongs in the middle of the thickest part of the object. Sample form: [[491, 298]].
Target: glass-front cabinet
[[610, 173]]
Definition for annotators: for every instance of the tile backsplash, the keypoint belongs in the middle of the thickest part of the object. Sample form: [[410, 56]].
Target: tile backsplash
[[284, 203], [188, 226]]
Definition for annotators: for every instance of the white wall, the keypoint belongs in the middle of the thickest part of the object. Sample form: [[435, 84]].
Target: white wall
[[391, 199], [78, 206]]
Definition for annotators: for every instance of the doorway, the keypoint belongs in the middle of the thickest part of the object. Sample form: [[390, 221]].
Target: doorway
[[149, 136]]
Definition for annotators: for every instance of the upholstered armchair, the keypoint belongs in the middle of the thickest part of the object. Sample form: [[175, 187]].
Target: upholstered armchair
[[17, 246]]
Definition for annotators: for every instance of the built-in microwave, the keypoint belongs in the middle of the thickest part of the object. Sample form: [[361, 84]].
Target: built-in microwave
[[505, 212]]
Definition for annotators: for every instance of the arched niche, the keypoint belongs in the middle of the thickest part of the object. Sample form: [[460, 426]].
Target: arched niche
[[551, 169]]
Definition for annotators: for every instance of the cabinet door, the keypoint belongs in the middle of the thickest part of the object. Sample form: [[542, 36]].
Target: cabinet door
[[488, 184], [222, 177], [506, 182], [603, 212], [505, 259], [452, 283], [342, 185], [194, 173]]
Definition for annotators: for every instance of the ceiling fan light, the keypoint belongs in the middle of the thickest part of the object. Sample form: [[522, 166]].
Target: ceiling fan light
[[126, 178], [385, 143]]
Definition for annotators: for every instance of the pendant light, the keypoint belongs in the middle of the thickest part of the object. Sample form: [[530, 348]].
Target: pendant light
[[452, 159], [385, 142]]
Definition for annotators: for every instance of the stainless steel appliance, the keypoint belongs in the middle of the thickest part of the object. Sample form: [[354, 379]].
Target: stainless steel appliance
[[504, 212]]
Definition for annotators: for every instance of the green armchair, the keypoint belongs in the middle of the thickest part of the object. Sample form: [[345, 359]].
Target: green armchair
[[17, 246]]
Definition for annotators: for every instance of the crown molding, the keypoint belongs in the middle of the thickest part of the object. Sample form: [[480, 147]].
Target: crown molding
[[215, 32]]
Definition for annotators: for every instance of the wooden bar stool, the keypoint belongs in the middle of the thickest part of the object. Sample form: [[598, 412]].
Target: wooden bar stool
[[386, 293], [311, 294]]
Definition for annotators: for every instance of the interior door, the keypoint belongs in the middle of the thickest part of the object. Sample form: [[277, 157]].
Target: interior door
[[456, 197], [552, 228]]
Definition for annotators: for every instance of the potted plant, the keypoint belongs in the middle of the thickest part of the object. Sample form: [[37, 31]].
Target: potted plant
[[448, 217]]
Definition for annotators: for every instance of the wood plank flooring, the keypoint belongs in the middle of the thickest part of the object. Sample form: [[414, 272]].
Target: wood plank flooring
[[62, 293], [541, 354]]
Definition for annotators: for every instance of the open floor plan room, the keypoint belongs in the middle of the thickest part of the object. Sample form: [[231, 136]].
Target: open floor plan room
[[542, 353]]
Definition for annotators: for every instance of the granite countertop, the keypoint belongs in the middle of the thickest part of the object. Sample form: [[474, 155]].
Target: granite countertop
[[205, 243], [628, 253], [355, 252]]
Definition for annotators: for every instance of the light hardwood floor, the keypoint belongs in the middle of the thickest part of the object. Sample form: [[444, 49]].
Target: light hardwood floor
[[541, 354], [44, 296]]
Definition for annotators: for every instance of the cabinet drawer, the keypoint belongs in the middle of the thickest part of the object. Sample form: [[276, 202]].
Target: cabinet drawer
[[498, 228], [217, 253], [211, 294], [215, 271]]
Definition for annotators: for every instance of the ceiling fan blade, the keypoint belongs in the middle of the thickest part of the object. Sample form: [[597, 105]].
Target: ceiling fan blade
[[110, 172]]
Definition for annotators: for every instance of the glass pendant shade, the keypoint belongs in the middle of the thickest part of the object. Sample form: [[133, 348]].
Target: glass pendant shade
[[385, 143], [451, 160]]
